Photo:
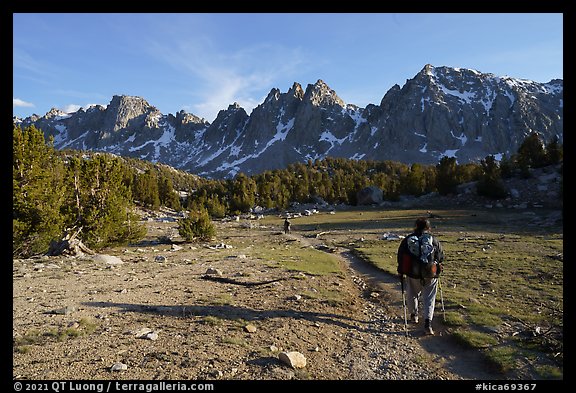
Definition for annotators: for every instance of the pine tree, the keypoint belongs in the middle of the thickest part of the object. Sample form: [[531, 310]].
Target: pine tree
[[554, 151], [490, 184], [447, 178], [166, 194], [145, 189], [100, 202], [415, 181], [531, 154], [38, 192], [242, 193], [196, 226]]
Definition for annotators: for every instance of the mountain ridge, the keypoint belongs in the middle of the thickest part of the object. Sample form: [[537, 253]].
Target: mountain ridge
[[441, 111]]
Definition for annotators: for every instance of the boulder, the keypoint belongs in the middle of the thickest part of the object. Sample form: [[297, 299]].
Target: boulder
[[293, 359], [369, 196], [109, 259]]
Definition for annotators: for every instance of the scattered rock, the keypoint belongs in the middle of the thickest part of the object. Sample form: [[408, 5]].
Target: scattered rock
[[109, 259], [391, 236], [160, 258], [119, 367], [250, 328], [140, 332], [150, 336], [64, 310], [220, 246], [293, 359], [212, 270]]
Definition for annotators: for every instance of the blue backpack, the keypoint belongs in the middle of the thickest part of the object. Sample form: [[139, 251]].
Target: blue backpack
[[422, 250]]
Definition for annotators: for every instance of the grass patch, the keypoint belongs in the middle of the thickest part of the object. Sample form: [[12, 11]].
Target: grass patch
[[454, 319], [234, 341], [212, 320], [85, 327], [293, 257], [484, 316], [475, 339], [332, 297], [222, 299], [23, 349], [381, 254], [35, 337], [549, 372], [504, 358]]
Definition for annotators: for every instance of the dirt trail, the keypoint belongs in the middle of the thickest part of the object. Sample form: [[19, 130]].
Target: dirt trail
[[462, 362]]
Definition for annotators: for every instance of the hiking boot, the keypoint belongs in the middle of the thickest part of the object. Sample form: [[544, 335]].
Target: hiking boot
[[413, 318], [428, 327]]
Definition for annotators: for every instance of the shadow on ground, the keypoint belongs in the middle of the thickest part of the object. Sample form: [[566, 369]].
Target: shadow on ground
[[232, 313]]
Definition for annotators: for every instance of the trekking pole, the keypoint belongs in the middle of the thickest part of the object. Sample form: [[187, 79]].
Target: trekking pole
[[404, 305], [442, 301]]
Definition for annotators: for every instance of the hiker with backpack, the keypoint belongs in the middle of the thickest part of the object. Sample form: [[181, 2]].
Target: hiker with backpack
[[287, 226], [420, 259]]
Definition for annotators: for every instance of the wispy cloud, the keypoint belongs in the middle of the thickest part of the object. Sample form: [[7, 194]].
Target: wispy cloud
[[241, 76], [71, 108], [17, 102], [22, 60]]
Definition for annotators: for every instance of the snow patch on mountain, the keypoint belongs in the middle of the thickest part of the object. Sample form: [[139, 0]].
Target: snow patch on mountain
[[465, 96], [282, 131], [462, 138]]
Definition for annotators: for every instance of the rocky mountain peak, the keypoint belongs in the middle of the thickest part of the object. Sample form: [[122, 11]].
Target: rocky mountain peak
[[54, 112], [123, 109], [232, 110], [320, 94], [296, 91], [183, 117], [273, 95], [234, 106], [126, 101], [428, 69]]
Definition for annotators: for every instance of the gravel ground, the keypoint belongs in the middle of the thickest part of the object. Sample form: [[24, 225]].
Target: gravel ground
[[153, 316]]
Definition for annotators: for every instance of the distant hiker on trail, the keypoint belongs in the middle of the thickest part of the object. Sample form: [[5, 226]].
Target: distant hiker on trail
[[420, 258], [286, 226]]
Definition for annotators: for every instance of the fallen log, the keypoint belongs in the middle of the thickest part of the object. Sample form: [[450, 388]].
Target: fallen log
[[69, 244]]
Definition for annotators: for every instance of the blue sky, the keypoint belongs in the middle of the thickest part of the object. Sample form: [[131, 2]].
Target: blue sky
[[201, 63]]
